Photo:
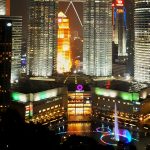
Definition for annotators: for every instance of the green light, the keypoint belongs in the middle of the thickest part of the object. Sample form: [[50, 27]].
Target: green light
[[31, 113], [125, 96], [15, 96], [135, 96], [112, 93], [42, 95], [99, 91]]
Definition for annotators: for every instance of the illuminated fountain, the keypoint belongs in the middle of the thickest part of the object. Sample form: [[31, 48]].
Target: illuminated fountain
[[116, 129], [112, 138]]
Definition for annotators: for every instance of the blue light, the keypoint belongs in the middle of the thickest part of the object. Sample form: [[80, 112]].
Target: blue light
[[125, 20], [115, 15], [126, 134]]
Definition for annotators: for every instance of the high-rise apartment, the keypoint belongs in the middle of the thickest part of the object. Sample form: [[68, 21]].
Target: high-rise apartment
[[97, 37], [42, 35], [63, 44], [142, 40]]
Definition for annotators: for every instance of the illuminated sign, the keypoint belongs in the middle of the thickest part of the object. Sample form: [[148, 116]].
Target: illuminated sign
[[79, 88], [119, 3]]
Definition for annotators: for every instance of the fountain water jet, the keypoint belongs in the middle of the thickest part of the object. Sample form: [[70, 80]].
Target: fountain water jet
[[116, 129]]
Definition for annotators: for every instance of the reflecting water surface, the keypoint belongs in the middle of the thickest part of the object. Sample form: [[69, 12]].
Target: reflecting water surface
[[79, 128]]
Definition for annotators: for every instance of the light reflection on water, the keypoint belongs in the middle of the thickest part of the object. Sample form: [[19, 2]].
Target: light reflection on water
[[79, 128], [89, 129]]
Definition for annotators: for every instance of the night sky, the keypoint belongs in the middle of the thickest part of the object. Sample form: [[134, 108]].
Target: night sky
[[74, 22], [19, 8]]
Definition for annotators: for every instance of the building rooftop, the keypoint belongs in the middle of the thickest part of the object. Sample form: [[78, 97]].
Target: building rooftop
[[121, 85], [33, 86]]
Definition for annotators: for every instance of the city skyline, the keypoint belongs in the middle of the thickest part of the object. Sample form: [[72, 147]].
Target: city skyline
[[130, 65], [76, 69]]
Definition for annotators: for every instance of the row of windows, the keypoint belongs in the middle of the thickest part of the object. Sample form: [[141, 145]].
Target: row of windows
[[49, 108]]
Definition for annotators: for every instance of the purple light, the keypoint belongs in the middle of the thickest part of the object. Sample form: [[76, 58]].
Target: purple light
[[79, 87], [103, 130]]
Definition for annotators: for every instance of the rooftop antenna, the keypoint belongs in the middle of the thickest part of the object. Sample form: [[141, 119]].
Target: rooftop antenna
[[71, 3]]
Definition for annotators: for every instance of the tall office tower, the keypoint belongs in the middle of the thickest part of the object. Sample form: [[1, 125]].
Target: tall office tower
[[142, 40], [97, 37], [42, 37], [129, 5], [10, 53], [5, 58], [63, 44], [5, 7], [119, 27], [16, 48]]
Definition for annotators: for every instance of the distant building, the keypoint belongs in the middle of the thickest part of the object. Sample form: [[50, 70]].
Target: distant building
[[142, 41], [97, 37], [10, 46], [128, 97], [5, 59], [119, 27], [10, 49], [64, 62], [123, 34], [5, 7], [129, 4], [118, 70], [16, 48], [45, 102], [42, 36]]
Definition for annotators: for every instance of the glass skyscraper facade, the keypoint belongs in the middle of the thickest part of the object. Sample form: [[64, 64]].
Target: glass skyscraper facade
[[16, 48], [42, 38], [129, 4], [142, 40], [119, 27], [97, 37]]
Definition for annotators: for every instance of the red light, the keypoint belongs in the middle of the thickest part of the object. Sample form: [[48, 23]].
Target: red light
[[119, 2], [113, 5], [108, 84]]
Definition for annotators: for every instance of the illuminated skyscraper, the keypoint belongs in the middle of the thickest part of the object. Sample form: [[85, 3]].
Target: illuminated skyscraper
[[5, 7], [97, 37], [16, 48], [129, 5], [42, 38], [119, 26], [63, 44], [142, 40]]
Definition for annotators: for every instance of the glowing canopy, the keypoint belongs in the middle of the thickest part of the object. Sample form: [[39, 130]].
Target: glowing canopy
[[131, 96]]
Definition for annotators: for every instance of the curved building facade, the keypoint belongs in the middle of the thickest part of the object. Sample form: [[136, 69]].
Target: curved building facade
[[142, 40]]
